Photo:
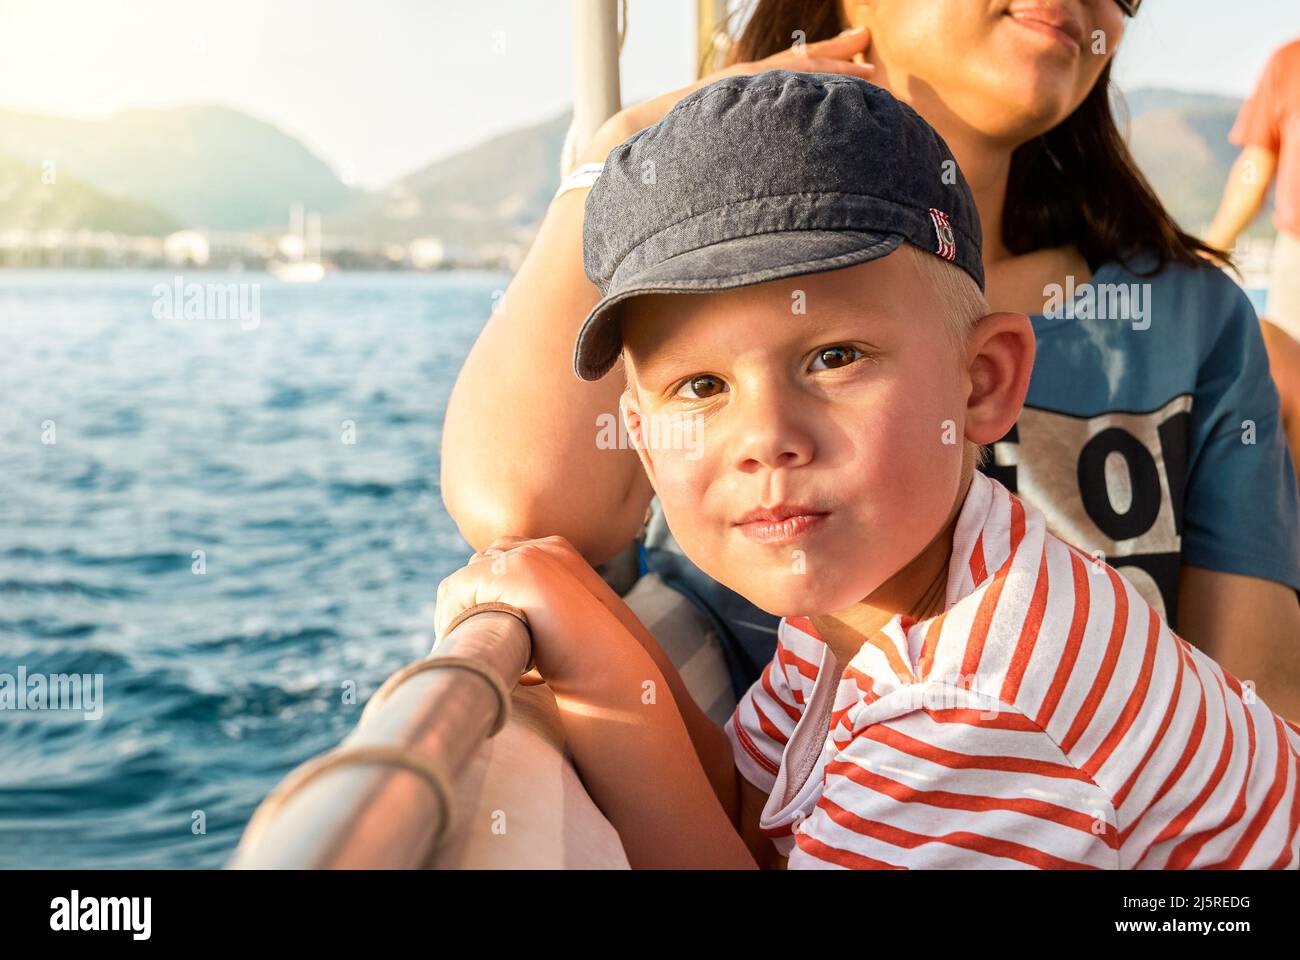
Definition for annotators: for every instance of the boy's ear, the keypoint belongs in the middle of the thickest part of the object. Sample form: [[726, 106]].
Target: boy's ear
[[631, 413], [999, 359]]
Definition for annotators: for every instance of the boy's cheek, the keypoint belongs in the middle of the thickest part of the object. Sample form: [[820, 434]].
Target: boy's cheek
[[678, 478], [682, 486], [888, 468], [923, 430]]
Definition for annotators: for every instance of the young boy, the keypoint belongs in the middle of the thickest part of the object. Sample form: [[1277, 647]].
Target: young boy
[[953, 686]]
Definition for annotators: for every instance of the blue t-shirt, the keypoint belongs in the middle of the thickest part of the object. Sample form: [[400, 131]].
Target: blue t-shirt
[[1151, 436]]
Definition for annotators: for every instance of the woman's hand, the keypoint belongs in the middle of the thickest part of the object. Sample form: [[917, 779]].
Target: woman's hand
[[843, 53], [634, 753], [571, 611]]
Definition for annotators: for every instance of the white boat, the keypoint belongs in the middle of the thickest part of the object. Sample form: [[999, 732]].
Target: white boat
[[303, 263], [296, 271]]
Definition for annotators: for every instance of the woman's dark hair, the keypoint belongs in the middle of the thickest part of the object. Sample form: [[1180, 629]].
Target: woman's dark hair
[[1076, 184]]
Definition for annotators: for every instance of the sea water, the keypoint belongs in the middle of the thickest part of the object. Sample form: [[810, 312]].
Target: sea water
[[231, 532], [230, 525]]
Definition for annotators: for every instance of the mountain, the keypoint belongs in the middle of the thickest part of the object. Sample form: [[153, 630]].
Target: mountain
[[498, 191], [30, 201], [491, 194], [1180, 140], [217, 168], [202, 165], [1144, 100]]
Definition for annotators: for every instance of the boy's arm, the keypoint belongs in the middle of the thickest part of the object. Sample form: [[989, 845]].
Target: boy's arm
[[752, 801], [672, 793], [742, 801], [630, 742], [708, 739]]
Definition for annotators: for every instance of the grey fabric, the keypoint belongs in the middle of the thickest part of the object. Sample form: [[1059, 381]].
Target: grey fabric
[[762, 177], [747, 635], [689, 640]]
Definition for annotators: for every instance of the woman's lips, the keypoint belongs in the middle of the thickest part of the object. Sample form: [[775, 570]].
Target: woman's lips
[[782, 531], [1030, 20]]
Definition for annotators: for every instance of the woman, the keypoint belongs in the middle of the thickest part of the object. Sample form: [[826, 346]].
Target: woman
[[1268, 131], [1151, 432]]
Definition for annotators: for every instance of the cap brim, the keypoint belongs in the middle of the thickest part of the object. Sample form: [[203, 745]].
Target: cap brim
[[740, 262]]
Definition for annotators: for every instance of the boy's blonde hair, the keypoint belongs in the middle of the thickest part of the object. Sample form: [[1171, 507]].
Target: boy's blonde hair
[[963, 306], [962, 299]]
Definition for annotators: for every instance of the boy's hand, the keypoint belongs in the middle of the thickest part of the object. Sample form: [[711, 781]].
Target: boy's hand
[[570, 609]]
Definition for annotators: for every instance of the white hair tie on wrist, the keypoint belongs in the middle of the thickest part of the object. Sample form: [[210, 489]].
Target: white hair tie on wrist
[[581, 177]]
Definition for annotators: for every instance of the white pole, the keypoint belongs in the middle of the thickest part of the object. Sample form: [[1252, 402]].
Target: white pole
[[596, 94]]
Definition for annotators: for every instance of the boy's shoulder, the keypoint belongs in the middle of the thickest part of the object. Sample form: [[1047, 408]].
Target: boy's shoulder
[[1035, 622]]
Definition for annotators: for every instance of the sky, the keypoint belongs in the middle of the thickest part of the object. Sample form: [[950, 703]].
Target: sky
[[379, 88]]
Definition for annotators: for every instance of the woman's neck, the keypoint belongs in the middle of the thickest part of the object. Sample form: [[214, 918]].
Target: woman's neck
[[1013, 281], [986, 168], [984, 161]]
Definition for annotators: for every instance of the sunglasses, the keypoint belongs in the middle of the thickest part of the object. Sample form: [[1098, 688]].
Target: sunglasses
[[1130, 7]]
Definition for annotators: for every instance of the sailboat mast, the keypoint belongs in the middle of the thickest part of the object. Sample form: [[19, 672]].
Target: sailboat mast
[[295, 230], [313, 237]]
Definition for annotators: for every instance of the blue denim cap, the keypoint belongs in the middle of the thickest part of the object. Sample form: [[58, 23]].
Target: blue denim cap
[[761, 177]]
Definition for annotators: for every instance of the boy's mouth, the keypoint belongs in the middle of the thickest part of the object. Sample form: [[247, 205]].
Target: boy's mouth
[[781, 523]]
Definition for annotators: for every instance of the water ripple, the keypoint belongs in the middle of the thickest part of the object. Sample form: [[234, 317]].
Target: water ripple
[[202, 536]]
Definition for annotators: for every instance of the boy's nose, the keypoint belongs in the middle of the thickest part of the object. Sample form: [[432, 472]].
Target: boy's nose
[[772, 436]]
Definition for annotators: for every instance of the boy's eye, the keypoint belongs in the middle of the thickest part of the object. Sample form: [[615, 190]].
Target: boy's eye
[[700, 386], [840, 355]]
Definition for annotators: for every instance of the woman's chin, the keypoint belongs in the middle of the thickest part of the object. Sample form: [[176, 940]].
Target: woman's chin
[[1021, 106]]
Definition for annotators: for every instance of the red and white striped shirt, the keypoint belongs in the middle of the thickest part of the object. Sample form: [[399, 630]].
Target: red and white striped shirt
[[1048, 718]]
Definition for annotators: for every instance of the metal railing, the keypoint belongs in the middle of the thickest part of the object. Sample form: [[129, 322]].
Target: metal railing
[[383, 798]]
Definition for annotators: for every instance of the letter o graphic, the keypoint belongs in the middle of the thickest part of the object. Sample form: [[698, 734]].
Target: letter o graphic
[[1144, 477]]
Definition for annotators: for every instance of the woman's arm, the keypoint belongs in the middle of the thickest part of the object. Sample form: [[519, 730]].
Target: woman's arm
[[1243, 195], [1284, 365], [1250, 626], [519, 452]]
